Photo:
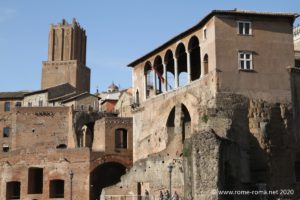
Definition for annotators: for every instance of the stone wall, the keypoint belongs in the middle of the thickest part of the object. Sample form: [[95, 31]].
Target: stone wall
[[56, 164], [6, 120], [41, 127]]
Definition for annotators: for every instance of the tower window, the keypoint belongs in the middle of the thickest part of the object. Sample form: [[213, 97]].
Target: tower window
[[7, 106], [244, 28]]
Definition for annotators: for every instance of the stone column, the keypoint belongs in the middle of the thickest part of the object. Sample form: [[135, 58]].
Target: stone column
[[176, 78], [201, 65], [154, 81], [145, 86], [165, 77], [188, 58]]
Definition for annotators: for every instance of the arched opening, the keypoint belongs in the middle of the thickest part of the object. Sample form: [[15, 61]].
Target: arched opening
[[182, 64], [105, 175], [120, 138], [158, 68], [149, 76], [86, 136], [169, 61], [195, 58], [171, 118], [137, 97], [205, 62], [186, 122]]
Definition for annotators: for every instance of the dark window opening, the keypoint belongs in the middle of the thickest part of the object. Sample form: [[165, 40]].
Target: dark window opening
[[61, 146], [5, 148], [13, 190], [244, 28], [297, 63], [40, 103], [137, 97], [186, 122], [35, 180], [6, 131], [121, 138], [205, 62], [297, 171], [29, 104], [139, 191], [171, 118], [7, 106], [18, 104], [57, 189]]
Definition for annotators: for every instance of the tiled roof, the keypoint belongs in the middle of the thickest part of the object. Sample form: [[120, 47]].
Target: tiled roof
[[12, 95], [56, 91]]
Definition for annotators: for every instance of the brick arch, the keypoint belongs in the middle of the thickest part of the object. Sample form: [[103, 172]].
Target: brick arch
[[111, 158], [105, 175], [190, 102]]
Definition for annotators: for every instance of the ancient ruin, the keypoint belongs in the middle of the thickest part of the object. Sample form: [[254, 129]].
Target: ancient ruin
[[56, 144], [214, 109]]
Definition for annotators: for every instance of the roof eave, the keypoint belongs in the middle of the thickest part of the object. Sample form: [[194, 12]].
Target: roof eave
[[201, 23]]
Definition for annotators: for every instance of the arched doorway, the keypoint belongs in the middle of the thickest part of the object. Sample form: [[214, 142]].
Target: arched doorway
[[106, 174]]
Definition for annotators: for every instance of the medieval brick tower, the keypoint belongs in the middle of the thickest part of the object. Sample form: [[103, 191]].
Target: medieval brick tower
[[66, 57]]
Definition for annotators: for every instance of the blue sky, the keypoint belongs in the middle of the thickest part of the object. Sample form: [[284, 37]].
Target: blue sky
[[119, 31]]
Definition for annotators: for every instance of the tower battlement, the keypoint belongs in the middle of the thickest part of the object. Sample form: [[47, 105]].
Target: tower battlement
[[67, 42]]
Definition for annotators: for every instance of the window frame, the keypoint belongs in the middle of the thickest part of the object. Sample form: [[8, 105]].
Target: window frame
[[41, 103], [243, 22], [7, 106], [5, 148], [245, 60], [5, 134], [18, 104]]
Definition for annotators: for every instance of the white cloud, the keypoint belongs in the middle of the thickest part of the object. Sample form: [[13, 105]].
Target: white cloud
[[6, 14]]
